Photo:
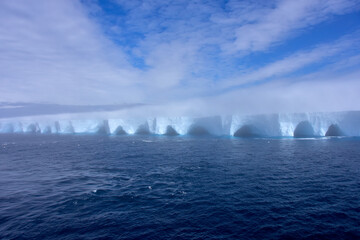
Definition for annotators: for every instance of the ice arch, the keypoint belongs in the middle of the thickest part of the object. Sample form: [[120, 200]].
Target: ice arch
[[33, 128], [119, 131], [247, 131], [304, 130], [143, 129], [196, 130], [334, 130], [170, 131], [57, 127], [103, 128]]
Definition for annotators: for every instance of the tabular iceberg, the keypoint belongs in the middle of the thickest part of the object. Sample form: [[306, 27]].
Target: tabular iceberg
[[265, 125]]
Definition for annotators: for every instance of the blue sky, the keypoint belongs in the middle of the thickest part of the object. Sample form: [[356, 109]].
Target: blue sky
[[244, 56]]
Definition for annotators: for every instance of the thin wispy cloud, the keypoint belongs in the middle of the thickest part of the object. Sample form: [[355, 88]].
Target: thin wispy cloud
[[52, 51], [285, 19], [179, 53], [342, 48]]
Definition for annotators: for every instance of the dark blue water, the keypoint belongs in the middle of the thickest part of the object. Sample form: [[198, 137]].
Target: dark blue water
[[93, 187]]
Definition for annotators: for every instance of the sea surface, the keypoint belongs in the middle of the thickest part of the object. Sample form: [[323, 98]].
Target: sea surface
[[152, 187]]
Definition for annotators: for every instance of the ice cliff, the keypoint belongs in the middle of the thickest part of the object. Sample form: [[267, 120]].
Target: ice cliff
[[266, 125]]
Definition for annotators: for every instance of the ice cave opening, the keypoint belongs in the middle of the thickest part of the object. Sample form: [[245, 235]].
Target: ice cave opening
[[143, 129], [170, 131], [247, 131], [304, 130], [196, 130], [333, 131]]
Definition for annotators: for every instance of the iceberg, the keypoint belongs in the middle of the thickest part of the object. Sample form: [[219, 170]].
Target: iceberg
[[237, 125]]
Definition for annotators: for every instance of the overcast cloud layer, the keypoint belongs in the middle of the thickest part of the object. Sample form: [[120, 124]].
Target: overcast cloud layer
[[184, 56]]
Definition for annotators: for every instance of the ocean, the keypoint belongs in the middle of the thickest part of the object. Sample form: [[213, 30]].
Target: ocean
[[157, 187]]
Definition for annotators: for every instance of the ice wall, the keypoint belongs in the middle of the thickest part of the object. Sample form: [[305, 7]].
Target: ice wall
[[266, 125]]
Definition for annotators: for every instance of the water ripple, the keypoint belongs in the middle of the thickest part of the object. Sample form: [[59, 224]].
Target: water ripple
[[80, 187]]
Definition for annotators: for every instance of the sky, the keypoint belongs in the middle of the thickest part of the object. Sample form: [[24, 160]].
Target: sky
[[180, 56]]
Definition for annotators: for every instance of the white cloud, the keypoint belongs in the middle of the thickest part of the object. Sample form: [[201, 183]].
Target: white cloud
[[285, 19], [323, 93], [54, 51], [297, 61], [51, 51]]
